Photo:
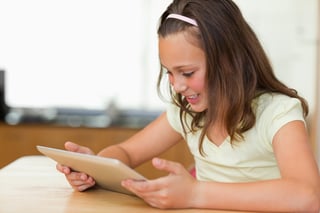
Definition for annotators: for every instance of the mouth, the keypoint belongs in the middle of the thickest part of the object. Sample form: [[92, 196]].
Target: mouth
[[192, 99]]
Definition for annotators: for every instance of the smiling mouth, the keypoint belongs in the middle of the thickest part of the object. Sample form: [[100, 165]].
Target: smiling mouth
[[192, 99], [192, 96]]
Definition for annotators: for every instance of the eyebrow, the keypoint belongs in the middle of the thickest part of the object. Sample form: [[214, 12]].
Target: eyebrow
[[179, 67]]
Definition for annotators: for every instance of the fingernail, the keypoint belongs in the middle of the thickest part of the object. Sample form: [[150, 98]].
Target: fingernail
[[124, 183], [157, 161], [83, 177]]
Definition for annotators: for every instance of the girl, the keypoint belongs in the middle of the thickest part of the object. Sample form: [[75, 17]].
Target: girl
[[245, 128]]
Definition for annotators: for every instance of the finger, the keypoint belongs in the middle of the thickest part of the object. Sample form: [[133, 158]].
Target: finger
[[150, 191], [80, 181], [79, 177], [63, 169], [165, 165], [135, 186], [139, 190], [77, 148], [145, 187], [75, 178], [80, 186], [83, 187]]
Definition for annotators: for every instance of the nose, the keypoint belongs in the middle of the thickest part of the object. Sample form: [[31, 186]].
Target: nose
[[179, 86]]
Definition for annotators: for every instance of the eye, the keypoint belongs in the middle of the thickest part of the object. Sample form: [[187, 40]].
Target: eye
[[187, 74]]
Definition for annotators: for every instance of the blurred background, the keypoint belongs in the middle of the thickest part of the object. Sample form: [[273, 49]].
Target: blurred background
[[94, 63]]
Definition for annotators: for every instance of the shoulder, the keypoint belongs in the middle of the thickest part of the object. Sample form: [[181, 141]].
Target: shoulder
[[277, 104], [274, 110], [173, 116]]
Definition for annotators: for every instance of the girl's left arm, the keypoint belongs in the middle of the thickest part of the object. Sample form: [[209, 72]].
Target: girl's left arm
[[298, 189]]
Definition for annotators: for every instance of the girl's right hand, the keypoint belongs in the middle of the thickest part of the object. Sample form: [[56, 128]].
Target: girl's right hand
[[78, 180]]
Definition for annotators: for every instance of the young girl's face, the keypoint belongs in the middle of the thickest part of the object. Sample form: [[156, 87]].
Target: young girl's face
[[186, 66]]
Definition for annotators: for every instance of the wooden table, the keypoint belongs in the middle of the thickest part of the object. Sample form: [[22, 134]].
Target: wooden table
[[32, 184]]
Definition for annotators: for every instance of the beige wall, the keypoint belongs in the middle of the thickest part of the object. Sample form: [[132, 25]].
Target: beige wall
[[315, 130], [316, 123], [290, 34]]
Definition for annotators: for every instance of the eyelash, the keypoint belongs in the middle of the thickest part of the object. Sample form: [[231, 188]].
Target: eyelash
[[185, 74]]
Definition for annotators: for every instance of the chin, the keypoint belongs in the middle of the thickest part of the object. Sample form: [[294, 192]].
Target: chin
[[198, 108]]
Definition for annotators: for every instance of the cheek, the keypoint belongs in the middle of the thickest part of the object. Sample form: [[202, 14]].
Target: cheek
[[170, 77], [198, 85]]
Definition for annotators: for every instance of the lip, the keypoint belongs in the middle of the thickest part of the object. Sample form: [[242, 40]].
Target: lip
[[192, 99]]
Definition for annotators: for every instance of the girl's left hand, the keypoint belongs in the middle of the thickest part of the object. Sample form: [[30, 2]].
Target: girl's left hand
[[173, 191]]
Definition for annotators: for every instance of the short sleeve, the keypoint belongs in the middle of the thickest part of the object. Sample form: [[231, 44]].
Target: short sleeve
[[173, 116], [285, 112], [275, 112]]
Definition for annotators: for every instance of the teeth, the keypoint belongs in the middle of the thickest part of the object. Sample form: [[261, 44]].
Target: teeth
[[192, 96]]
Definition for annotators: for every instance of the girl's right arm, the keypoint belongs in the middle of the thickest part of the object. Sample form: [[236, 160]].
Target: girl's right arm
[[154, 139]]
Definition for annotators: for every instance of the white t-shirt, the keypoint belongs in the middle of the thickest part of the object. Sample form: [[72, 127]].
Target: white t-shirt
[[249, 160]]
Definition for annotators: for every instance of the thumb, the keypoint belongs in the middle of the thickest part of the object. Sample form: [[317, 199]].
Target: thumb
[[165, 165], [73, 147]]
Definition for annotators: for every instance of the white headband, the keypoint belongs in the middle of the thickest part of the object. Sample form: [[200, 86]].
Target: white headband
[[183, 18]]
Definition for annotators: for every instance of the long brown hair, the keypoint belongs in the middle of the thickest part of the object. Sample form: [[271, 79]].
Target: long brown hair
[[238, 69]]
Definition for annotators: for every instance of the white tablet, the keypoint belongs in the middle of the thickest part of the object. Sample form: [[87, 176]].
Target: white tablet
[[107, 172]]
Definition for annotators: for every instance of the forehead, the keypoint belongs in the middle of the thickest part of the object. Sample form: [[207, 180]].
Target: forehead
[[179, 49]]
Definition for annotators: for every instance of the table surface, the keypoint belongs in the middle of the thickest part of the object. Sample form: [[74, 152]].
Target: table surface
[[32, 184]]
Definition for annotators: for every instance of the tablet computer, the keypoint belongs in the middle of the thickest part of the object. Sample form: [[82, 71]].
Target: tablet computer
[[107, 172]]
